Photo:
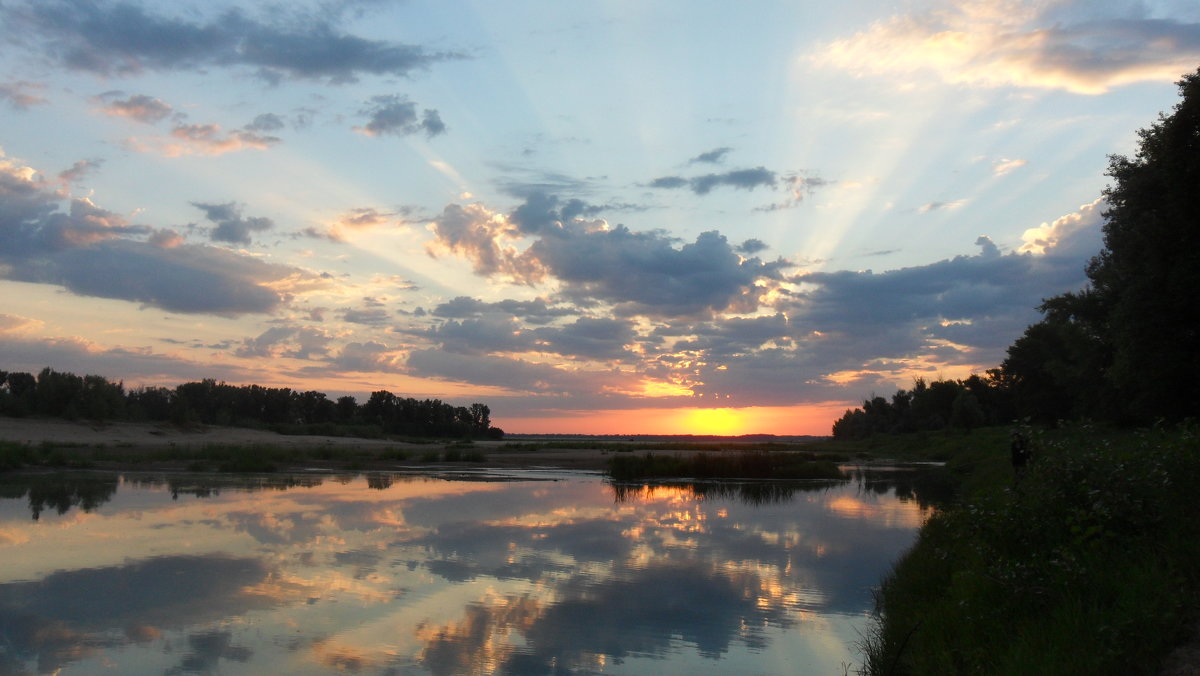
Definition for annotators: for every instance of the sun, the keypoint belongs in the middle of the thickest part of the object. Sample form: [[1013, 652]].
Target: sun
[[718, 421]]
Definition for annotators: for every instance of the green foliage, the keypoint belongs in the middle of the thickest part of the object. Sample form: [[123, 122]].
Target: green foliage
[[1086, 566], [209, 402], [960, 404], [1127, 348]]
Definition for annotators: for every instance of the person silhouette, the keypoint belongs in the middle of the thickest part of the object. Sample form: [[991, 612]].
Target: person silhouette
[[1019, 449]]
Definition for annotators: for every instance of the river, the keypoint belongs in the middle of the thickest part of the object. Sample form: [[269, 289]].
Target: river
[[522, 573]]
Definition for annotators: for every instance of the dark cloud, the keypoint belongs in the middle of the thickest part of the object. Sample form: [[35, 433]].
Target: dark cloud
[[752, 246], [744, 179], [207, 649], [531, 311], [369, 316], [94, 252], [139, 107], [587, 338], [230, 225], [637, 272], [669, 182], [263, 345], [266, 122], [366, 357], [490, 334], [80, 170], [65, 616], [122, 38], [541, 210], [714, 156], [509, 373], [643, 273], [397, 116]]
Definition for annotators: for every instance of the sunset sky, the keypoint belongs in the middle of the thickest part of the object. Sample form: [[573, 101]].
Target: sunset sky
[[601, 217]]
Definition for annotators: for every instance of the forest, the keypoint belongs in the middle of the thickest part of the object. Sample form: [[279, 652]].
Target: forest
[[208, 402]]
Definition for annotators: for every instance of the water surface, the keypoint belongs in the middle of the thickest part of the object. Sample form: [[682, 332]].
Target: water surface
[[424, 575]]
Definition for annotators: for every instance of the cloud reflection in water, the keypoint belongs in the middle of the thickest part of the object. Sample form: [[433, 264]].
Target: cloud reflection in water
[[450, 577]]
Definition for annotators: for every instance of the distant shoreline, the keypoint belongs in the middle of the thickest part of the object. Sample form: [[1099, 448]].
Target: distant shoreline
[[124, 446]]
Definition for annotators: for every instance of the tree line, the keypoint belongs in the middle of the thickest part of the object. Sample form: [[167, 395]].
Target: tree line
[[1126, 347], [92, 397]]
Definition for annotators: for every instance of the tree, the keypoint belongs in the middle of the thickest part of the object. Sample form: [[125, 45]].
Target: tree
[[1146, 279]]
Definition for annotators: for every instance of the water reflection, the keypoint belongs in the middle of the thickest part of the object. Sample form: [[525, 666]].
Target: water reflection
[[409, 574]]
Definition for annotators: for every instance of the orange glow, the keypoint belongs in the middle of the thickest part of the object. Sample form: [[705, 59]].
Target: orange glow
[[814, 419], [720, 421]]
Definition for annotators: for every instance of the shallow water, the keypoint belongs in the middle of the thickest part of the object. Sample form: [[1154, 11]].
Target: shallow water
[[548, 573]]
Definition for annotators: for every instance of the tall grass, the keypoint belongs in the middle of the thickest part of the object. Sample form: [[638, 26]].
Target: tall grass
[[1090, 564], [730, 465]]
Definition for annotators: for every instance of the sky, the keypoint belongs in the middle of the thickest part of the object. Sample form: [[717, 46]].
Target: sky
[[602, 217]]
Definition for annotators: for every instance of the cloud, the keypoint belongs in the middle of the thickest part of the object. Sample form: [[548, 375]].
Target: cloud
[[743, 179], [19, 95], [531, 311], [397, 116], [123, 38], [139, 107], [1077, 232], [80, 170], [1076, 46], [480, 235], [1004, 166], [286, 341], [940, 206], [230, 225], [203, 139], [16, 324], [510, 373], [637, 272], [266, 122], [94, 252], [369, 316], [752, 246], [714, 156], [800, 186], [367, 357], [355, 219]]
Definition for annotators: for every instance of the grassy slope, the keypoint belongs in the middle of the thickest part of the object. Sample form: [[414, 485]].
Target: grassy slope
[[1088, 565]]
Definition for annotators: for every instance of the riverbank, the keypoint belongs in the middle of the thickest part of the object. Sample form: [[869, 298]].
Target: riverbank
[[1089, 564], [33, 443]]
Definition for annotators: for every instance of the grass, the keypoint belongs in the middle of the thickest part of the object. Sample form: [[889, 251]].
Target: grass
[[735, 465], [250, 458], [1087, 565]]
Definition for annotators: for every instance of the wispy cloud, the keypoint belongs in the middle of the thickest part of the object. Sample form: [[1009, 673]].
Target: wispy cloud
[[21, 94], [744, 179], [138, 107], [941, 206], [1004, 166], [1043, 45]]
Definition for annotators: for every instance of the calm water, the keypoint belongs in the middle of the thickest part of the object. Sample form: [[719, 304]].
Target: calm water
[[426, 575]]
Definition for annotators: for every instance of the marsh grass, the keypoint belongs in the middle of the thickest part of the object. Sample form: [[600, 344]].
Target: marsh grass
[[1087, 565], [732, 465]]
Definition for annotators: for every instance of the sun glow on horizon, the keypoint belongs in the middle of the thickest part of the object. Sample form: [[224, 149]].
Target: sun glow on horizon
[[807, 419], [716, 421]]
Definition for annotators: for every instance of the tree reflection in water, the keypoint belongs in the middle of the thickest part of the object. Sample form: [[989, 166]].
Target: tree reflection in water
[[928, 486]]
